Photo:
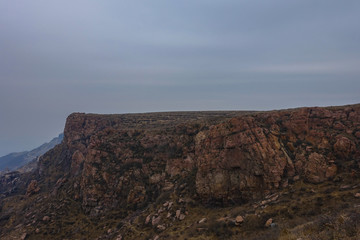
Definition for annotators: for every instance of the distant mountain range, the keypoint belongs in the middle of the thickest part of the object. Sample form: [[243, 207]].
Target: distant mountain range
[[16, 160]]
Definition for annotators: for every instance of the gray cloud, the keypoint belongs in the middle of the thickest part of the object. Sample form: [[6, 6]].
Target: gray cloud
[[58, 57]]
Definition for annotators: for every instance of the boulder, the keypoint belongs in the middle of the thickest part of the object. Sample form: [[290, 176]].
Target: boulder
[[238, 220], [269, 222]]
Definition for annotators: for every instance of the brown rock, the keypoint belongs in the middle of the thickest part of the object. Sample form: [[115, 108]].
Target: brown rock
[[156, 178], [32, 188], [168, 186], [203, 220], [345, 187], [177, 213], [343, 147], [155, 220], [239, 220], [182, 216], [315, 168], [161, 227], [339, 126], [77, 162], [269, 222], [46, 218]]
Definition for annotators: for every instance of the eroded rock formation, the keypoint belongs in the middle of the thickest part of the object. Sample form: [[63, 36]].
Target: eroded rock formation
[[116, 162], [159, 167]]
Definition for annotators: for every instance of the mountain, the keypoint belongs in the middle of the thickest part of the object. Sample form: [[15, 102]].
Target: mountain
[[287, 174], [16, 160]]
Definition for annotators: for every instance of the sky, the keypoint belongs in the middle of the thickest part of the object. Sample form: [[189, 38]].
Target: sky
[[122, 56]]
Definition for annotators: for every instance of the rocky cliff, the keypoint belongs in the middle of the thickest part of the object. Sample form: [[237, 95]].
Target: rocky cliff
[[248, 156], [237, 160], [126, 163]]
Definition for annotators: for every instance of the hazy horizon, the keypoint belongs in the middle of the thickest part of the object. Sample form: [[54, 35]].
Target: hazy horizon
[[111, 56]]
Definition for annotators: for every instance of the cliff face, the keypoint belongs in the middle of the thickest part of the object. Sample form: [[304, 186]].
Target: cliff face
[[247, 156], [116, 162], [119, 163], [123, 163]]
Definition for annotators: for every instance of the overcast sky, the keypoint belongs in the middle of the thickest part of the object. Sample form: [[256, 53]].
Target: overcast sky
[[112, 56]]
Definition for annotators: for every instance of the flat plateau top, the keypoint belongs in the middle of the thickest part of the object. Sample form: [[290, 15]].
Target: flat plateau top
[[170, 119]]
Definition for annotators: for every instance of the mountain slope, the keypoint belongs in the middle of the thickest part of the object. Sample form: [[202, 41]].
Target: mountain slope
[[285, 174], [13, 161]]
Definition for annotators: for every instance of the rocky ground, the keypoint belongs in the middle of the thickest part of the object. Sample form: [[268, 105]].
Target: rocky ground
[[290, 174]]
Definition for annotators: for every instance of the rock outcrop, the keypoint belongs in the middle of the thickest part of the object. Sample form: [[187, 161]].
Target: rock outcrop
[[32, 188], [248, 156], [111, 162], [118, 162]]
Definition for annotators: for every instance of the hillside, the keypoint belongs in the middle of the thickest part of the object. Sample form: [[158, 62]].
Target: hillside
[[16, 160], [288, 174]]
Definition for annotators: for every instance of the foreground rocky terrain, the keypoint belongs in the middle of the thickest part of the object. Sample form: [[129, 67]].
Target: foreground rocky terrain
[[289, 174]]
